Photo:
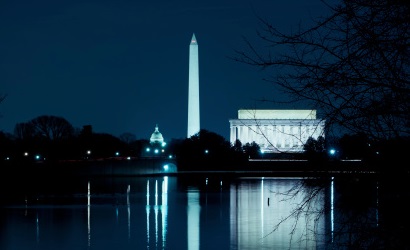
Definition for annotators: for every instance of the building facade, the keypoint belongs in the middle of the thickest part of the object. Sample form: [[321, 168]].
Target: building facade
[[276, 131]]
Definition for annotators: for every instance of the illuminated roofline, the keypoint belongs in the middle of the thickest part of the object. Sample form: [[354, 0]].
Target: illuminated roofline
[[277, 114]]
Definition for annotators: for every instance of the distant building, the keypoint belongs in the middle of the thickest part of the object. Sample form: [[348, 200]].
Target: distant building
[[276, 130], [156, 137], [156, 147]]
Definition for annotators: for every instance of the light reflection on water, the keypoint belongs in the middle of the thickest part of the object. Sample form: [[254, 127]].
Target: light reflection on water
[[193, 212], [162, 213], [261, 205]]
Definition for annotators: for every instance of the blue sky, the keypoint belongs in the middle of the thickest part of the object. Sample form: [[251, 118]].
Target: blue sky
[[122, 66]]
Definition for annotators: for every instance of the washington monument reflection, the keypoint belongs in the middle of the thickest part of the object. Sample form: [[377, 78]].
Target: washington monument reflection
[[193, 210]]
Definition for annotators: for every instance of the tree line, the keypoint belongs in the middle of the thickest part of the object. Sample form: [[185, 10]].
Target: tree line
[[51, 138]]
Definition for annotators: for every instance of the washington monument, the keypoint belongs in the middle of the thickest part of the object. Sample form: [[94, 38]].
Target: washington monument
[[193, 89]]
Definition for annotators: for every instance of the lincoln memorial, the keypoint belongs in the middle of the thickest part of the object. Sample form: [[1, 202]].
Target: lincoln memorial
[[276, 131]]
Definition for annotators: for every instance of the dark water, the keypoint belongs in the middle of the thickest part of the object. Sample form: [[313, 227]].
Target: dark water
[[200, 212]]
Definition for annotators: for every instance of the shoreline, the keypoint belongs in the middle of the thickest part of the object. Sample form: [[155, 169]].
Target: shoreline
[[161, 167]]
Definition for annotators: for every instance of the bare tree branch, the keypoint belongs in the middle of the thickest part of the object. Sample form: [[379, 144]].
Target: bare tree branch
[[353, 66]]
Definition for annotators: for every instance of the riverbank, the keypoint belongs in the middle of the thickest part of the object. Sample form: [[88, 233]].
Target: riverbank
[[107, 167], [161, 166]]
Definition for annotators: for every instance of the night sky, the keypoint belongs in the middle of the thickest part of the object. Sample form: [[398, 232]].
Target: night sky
[[122, 66]]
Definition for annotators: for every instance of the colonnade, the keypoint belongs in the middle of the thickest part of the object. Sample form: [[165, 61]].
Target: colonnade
[[276, 135]]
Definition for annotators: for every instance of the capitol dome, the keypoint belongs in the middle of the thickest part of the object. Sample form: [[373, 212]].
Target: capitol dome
[[156, 137]]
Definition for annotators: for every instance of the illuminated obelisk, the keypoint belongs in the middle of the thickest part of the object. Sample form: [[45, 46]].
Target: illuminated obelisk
[[193, 89]]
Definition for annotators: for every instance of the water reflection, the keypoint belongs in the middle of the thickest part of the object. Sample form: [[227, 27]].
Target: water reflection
[[160, 230], [88, 215], [332, 207], [129, 211], [259, 206], [187, 213], [37, 230], [194, 210]]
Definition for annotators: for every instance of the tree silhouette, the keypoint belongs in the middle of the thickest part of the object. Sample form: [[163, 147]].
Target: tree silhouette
[[24, 131], [355, 146], [52, 127], [50, 135], [128, 137], [352, 66], [207, 150], [237, 146], [105, 145], [138, 146], [315, 150], [7, 145], [252, 150]]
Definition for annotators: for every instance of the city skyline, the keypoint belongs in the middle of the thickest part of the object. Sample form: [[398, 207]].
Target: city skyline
[[123, 67]]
